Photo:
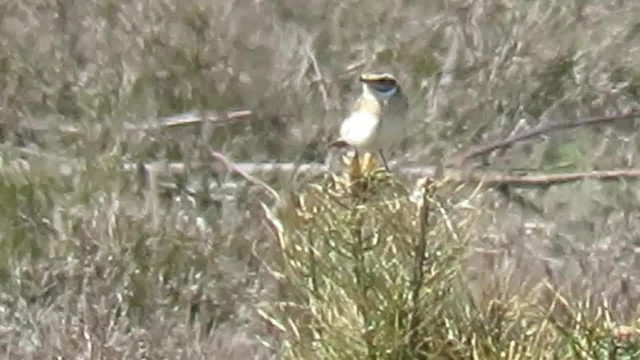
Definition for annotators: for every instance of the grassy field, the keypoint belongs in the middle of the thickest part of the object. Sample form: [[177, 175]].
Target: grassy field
[[100, 261]]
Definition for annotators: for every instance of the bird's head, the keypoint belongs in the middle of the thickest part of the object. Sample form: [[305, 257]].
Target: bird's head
[[381, 85]]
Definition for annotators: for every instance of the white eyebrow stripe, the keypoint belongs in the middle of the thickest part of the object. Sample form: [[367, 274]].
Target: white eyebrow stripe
[[378, 76]]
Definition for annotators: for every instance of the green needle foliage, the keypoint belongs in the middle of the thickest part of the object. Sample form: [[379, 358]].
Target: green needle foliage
[[370, 269]]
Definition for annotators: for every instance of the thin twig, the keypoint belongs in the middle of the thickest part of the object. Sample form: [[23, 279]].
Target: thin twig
[[249, 178], [319, 79], [347, 73], [163, 123], [355, 66], [187, 119], [485, 149]]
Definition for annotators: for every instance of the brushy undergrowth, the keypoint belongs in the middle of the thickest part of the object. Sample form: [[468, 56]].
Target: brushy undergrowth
[[99, 260], [372, 269]]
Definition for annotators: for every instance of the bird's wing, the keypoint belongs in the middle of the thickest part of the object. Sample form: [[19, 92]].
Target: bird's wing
[[397, 106]]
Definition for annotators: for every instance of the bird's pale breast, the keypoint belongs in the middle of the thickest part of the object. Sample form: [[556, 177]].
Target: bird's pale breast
[[375, 124]]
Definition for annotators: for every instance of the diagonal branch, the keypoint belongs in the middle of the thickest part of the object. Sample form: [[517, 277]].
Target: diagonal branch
[[243, 174], [541, 130]]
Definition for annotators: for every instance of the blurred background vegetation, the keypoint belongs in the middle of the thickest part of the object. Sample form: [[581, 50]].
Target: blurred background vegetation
[[95, 263]]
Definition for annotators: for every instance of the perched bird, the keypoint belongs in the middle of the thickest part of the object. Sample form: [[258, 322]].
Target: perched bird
[[376, 122]]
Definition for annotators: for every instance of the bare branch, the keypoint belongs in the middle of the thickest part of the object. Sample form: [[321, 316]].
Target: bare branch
[[248, 171], [459, 160], [319, 79], [193, 119], [541, 180], [347, 73], [164, 123], [178, 168], [250, 179]]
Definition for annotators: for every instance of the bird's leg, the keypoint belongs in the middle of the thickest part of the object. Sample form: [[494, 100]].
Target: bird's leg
[[384, 161], [355, 168]]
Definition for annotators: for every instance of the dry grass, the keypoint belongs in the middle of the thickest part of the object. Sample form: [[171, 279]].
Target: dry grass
[[97, 264]]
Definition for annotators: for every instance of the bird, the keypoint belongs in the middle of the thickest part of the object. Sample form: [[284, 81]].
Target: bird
[[377, 119]]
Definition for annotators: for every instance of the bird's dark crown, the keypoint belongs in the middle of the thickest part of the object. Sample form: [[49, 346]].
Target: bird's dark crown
[[382, 82]]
